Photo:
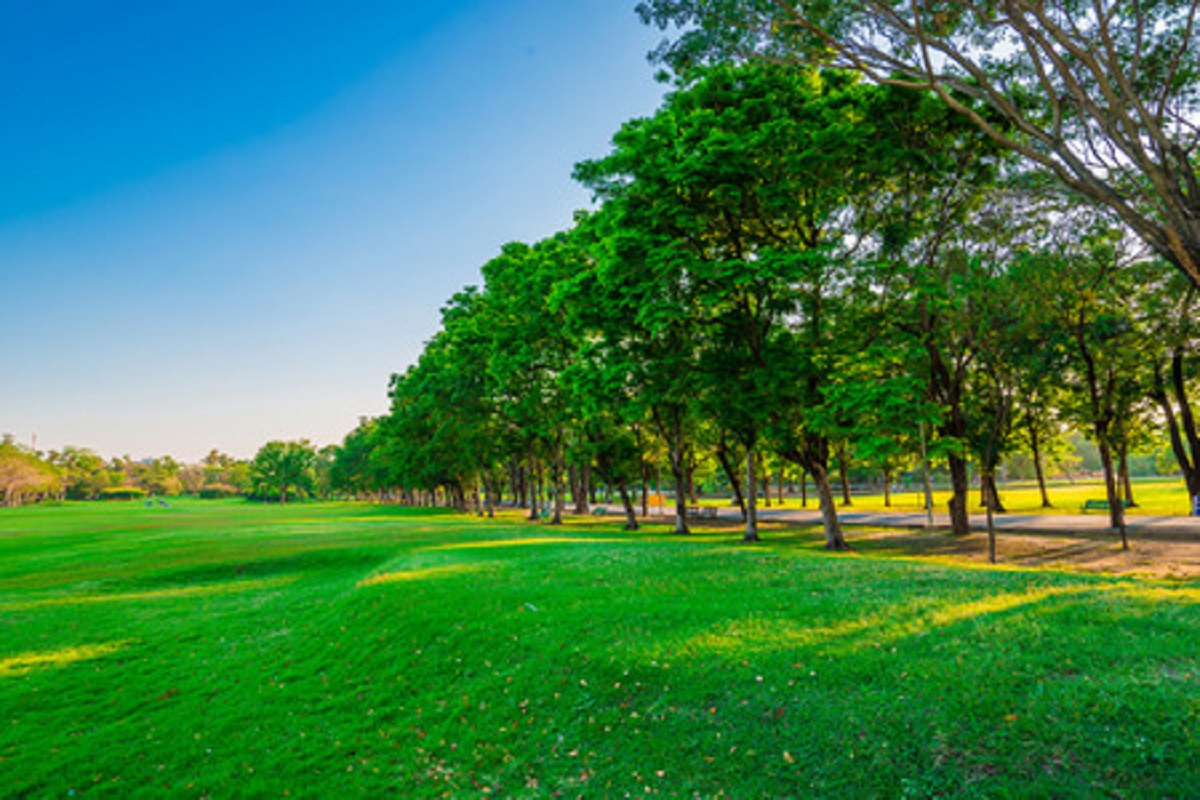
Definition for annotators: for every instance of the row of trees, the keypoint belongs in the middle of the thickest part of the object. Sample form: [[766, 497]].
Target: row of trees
[[280, 471], [789, 260]]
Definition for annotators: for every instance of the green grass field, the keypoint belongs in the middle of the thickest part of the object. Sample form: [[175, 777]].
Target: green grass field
[[230, 650]]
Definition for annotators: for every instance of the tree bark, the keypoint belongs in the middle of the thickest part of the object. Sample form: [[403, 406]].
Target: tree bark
[[1116, 509], [751, 497], [722, 452], [556, 475], [960, 520], [834, 538], [1123, 472], [887, 488], [844, 473], [991, 518], [1035, 447], [631, 523]]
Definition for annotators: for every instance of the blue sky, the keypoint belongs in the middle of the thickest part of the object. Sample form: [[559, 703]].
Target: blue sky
[[228, 222]]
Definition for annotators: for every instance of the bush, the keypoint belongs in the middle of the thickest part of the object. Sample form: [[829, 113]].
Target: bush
[[122, 493], [216, 491]]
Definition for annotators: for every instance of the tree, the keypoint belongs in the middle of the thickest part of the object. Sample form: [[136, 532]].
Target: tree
[[1100, 93], [24, 476], [283, 469]]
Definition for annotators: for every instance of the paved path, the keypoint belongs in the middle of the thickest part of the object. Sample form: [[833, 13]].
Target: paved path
[[1185, 528]]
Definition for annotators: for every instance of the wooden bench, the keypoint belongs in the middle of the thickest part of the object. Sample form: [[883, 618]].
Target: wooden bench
[[1099, 505], [702, 512], [599, 511]]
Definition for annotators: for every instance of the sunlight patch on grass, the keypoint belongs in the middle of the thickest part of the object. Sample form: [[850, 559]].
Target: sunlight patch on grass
[[1159, 594], [901, 622], [237, 587], [519, 543], [24, 663], [419, 574]]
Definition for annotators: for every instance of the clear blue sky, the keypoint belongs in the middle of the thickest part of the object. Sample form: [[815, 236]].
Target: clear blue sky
[[228, 222]]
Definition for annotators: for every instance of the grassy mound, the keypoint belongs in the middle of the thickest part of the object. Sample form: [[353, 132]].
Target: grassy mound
[[223, 649]]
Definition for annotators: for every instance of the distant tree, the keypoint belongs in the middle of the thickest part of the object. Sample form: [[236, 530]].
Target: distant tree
[[24, 476], [284, 469]]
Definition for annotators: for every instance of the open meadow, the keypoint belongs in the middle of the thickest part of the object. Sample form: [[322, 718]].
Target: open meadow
[[225, 649]]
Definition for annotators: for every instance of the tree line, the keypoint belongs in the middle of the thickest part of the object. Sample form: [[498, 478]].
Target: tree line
[[280, 471], [788, 261]]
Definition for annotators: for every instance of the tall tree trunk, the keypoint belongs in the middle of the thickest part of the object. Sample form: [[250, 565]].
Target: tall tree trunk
[[489, 495], [990, 478], [992, 499], [844, 473], [780, 476], [691, 476], [751, 497], [803, 488], [1116, 509], [1185, 455], [834, 539], [585, 481], [722, 452], [765, 480], [534, 473], [960, 520], [556, 475], [1123, 471], [887, 487], [679, 476], [1035, 447], [645, 489], [813, 457], [631, 523]]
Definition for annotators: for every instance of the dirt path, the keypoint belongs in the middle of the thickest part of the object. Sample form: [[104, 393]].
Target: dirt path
[[1165, 558]]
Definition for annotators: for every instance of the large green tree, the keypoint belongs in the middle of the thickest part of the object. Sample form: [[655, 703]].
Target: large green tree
[[1103, 94], [282, 470]]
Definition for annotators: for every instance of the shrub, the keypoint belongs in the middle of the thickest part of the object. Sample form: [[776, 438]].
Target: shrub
[[122, 493]]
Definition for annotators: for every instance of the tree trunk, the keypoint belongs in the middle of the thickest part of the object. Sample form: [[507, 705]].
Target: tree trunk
[[834, 539], [991, 492], [779, 496], [534, 479], [556, 475], [765, 480], [679, 476], [960, 520], [722, 452], [1126, 483], [645, 491], [631, 523], [1116, 509], [489, 495], [844, 473], [990, 479], [804, 488], [887, 488], [585, 480], [1035, 447], [751, 497]]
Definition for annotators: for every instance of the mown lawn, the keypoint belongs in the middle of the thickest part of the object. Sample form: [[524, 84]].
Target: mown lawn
[[231, 650]]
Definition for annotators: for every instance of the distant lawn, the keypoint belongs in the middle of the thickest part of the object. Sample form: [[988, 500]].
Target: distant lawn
[[1154, 497], [229, 650]]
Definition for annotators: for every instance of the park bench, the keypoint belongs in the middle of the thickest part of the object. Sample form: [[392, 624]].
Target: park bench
[[702, 512], [1099, 505], [599, 511]]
